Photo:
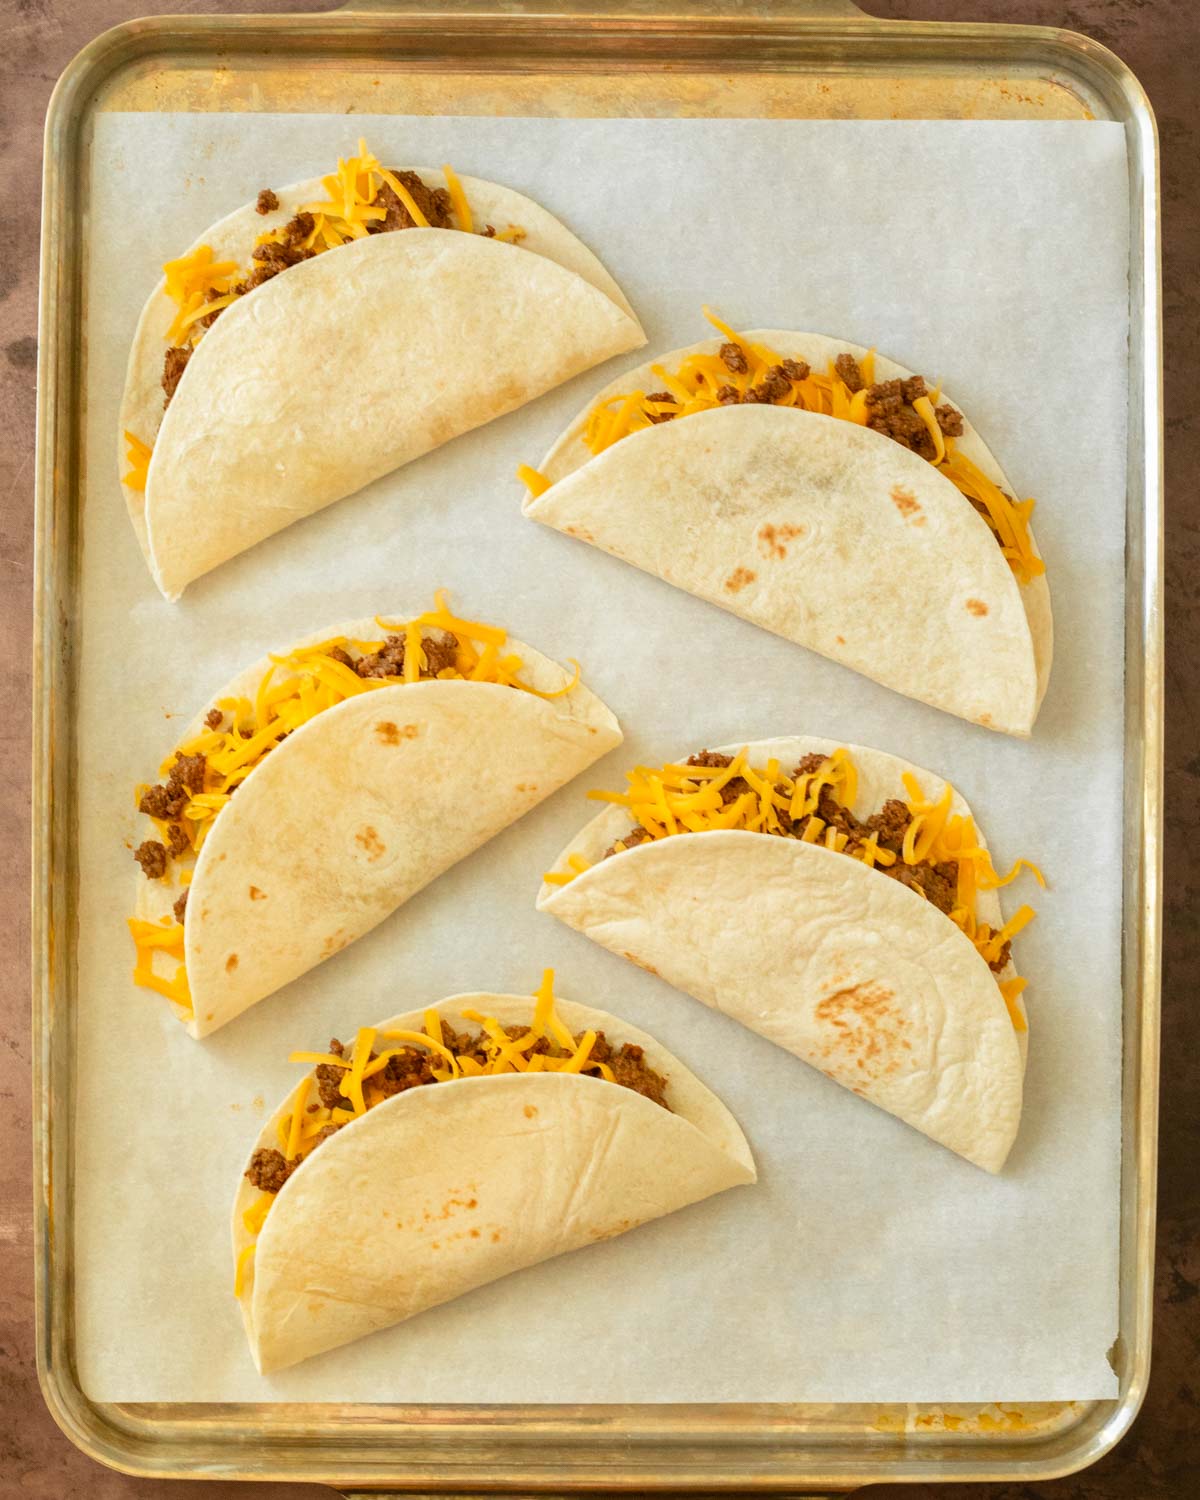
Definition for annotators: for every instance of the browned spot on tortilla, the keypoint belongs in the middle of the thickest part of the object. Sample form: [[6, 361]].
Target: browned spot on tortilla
[[231, 963], [256, 894], [977, 607], [220, 857], [866, 1029], [641, 963], [906, 502], [526, 786], [388, 733], [495, 1236], [985, 720], [334, 943], [738, 580], [530, 1111], [840, 639], [472, 1202], [773, 540], [474, 1234], [435, 1244], [369, 840]]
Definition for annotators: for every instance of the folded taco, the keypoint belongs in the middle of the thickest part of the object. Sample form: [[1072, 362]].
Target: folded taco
[[838, 901], [325, 786], [826, 494], [291, 377], [453, 1146]]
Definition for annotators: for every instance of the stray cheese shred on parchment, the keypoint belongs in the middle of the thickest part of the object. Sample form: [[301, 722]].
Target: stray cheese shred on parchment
[[674, 799], [295, 688], [694, 387]]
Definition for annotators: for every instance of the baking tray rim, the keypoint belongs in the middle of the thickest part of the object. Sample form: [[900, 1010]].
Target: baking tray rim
[[119, 1435]]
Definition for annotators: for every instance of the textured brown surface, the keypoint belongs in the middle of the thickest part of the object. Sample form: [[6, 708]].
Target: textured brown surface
[[1160, 40]]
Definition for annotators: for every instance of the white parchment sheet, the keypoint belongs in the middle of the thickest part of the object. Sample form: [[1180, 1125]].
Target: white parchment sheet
[[868, 1263]]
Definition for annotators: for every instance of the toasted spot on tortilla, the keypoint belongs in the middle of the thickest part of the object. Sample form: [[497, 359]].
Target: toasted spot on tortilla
[[530, 1111], [388, 733], [984, 719], [977, 607], [867, 1028], [840, 639], [738, 580], [907, 504], [231, 963], [773, 540], [474, 1234], [495, 1236], [641, 963], [256, 894], [334, 943], [369, 840], [526, 786]]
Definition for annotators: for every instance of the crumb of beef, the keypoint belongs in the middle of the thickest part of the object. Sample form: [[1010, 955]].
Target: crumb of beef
[[329, 1085], [728, 395], [890, 824], [339, 654], [1000, 962], [164, 802], [267, 202], [489, 231], [949, 420], [177, 839], [296, 231], [214, 718], [754, 396], [152, 856], [404, 1070], [889, 410], [269, 1170], [795, 369], [180, 906], [774, 385], [324, 1133], [631, 840], [630, 1069], [174, 364], [388, 661], [188, 771], [847, 367], [733, 357], [809, 766], [937, 883], [712, 759], [434, 203], [336, 1047]]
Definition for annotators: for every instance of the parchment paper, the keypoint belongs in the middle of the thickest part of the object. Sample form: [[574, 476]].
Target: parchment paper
[[868, 1264]]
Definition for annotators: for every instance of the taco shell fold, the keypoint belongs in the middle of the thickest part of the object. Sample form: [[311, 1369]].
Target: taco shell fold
[[827, 533], [852, 972], [444, 1188], [350, 364]]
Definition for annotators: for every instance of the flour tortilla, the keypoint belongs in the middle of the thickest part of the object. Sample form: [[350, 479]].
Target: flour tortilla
[[350, 364], [360, 808], [850, 971], [444, 1188], [824, 532]]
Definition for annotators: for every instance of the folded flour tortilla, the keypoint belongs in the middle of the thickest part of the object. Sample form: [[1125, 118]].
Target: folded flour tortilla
[[854, 971], [349, 364], [804, 520], [345, 816], [420, 1196]]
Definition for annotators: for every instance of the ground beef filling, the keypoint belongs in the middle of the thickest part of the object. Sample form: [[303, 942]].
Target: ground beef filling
[[413, 1068], [275, 256], [938, 883], [167, 802]]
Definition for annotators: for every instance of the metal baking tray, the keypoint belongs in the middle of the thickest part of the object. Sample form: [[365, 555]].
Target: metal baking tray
[[777, 59]]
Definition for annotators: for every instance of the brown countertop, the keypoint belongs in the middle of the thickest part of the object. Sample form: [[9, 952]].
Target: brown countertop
[[1160, 40]]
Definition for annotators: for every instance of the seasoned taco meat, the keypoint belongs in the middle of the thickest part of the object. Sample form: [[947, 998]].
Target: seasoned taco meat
[[733, 357], [267, 202], [847, 367], [631, 1070], [388, 661], [434, 203], [269, 1170], [174, 364], [180, 906], [152, 856]]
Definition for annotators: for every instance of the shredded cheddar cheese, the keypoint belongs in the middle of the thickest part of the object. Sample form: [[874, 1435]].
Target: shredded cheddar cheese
[[296, 688], [698, 380], [298, 1128], [137, 455], [675, 799]]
